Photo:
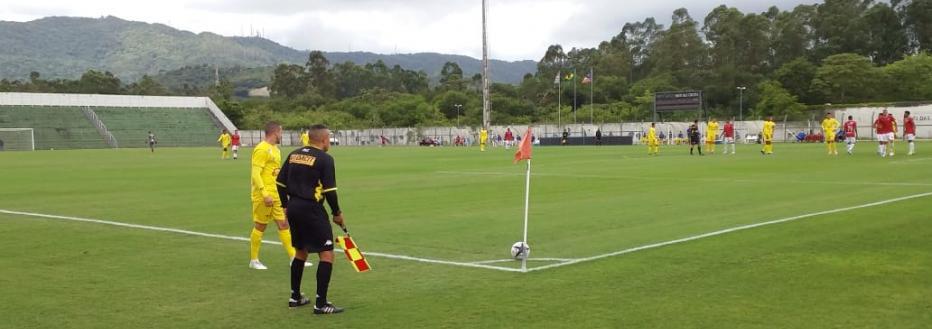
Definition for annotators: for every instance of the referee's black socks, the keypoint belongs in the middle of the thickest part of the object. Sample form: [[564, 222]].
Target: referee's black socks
[[323, 282], [297, 271]]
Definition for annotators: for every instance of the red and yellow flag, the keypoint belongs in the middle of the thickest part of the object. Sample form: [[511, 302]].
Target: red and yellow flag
[[524, 149], [353, 254]]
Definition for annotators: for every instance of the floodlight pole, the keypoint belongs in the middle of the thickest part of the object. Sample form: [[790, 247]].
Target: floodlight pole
[[486, 101]]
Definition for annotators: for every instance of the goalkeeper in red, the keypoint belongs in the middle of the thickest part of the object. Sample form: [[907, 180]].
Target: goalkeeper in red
[[306, 180]]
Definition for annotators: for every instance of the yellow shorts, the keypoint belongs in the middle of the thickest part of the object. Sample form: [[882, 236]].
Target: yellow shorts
[[262, 214], [830, 138], [768, 138]]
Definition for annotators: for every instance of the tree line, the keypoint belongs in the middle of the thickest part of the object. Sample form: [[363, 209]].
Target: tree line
[[836, 52]]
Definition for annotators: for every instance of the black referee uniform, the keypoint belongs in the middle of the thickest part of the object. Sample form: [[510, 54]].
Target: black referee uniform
[[306, 179], [694, 138]]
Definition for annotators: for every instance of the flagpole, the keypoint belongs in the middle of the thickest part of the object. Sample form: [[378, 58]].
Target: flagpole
[[560, 99], [527, 196], [591, 93], [574, 96]]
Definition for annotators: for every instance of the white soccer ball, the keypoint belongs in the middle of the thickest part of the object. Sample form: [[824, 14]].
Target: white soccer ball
[[520, 250]]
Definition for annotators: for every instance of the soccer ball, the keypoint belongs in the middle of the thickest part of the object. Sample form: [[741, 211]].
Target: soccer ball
[[520, 250]]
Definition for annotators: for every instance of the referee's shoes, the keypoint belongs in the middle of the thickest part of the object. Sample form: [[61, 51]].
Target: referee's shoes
[[328, 308]]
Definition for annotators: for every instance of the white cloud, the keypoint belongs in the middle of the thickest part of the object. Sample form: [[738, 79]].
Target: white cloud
[[518, 29]]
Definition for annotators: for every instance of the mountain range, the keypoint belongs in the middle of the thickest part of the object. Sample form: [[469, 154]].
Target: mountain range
[[66, 47]]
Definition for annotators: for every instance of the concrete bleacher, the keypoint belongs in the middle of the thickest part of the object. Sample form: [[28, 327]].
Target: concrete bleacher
[[171, 126], [54, 126]]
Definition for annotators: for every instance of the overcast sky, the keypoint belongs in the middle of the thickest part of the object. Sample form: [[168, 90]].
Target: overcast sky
[[518, 29]]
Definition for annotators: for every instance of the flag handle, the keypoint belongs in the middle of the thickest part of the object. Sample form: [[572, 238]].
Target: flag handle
[[343, 226], [527, 194]]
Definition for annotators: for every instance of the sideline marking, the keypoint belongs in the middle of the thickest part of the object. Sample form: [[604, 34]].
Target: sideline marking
[[484, 264], [728, 230], [237, 238]]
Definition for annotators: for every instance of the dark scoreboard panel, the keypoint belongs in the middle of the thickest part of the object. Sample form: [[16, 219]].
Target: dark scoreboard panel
[[678, 101]]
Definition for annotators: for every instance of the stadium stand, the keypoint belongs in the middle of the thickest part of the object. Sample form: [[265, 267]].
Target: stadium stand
[[75, 121], [55, 127], [172, 127]]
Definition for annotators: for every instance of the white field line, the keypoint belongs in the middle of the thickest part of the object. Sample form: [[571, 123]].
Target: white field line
[[237, 238], [749, 181], [493, 261], [484, 264], [729, 230]]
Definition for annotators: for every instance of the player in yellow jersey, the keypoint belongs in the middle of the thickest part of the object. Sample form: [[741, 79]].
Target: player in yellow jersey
[[225, 142], [829, 129], [653, 143], [892, 148], [767, 133], [483, 138], [710, 133], [305, 138], [266, 205]]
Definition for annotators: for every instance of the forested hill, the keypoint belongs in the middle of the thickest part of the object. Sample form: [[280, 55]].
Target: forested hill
[[66, 47]]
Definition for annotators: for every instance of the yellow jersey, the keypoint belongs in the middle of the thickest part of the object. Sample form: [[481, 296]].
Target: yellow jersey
[[712, 129], [830, 126], [652, 134], [305, 139], [224, 140], [266, 162], [768, 129], [483, 136]]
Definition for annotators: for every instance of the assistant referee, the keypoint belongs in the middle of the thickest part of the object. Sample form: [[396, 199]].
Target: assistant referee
[[306, 179]]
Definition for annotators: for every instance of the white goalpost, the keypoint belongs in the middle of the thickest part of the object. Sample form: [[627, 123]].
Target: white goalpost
[[17, 139]]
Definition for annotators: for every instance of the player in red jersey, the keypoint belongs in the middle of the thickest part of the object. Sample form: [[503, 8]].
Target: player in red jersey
[[234, 140], [884, 127], [509, 138], [851, 133], [909, 132], [729, 136]]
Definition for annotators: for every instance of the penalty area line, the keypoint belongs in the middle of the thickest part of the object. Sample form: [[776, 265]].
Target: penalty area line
[[728, 230], [238, 238]]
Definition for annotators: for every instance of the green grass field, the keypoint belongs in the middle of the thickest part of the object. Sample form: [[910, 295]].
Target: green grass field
[[869, 266]]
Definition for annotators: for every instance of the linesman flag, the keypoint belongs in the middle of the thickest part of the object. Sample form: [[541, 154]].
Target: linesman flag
[[352, 252], [524, 149]]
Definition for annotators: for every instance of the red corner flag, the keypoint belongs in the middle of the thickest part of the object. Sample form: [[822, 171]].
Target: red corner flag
[[524, 150]]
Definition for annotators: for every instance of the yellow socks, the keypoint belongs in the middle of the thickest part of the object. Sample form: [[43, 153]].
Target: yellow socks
[[285, 237], [255, 240]]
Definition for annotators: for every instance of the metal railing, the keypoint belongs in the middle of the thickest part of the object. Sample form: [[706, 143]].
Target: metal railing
[[101, 127]]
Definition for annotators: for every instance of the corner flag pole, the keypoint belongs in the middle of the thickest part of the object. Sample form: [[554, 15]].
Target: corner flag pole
[[527, 197]]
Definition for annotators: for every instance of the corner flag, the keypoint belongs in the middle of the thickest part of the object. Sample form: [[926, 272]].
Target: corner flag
[[524, 149], [524, 153]]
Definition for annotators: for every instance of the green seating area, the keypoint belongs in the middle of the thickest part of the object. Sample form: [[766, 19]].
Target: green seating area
[[55, 127], [172, 126], [66, 127]]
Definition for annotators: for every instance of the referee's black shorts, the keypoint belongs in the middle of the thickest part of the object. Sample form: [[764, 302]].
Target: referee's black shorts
[[310, 226]]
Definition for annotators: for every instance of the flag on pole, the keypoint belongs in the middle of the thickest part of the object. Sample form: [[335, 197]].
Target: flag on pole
[[353, 254], [524, 149], [570, 76], [587, 79], [556, 80]]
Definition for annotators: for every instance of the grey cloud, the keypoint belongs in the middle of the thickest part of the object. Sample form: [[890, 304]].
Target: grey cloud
[[606, 18]]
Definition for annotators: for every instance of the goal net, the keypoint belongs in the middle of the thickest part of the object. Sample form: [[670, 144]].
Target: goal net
[[17, 139]]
